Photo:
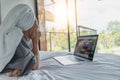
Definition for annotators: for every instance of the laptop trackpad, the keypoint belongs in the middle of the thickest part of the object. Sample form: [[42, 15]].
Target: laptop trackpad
[[68, 59]]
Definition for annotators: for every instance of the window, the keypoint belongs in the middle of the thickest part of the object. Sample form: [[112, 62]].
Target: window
[[98, 15], [103, 16], [57, 24]]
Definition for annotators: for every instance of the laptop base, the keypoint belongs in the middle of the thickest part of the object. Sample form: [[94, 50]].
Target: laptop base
[[69, 59]]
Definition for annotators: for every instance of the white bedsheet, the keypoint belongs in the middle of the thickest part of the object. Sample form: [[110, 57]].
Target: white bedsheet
[[104, 67]]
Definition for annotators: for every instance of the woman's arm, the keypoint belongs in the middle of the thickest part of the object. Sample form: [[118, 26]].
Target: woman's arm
[[36, 53], [35, 36]]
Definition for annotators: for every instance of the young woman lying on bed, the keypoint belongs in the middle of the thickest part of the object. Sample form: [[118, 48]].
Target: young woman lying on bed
[[25, 34]]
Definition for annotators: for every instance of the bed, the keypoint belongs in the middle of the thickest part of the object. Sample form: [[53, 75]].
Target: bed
[[103, 67]]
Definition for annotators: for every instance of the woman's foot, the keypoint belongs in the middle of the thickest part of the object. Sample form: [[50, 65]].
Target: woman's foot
[[14, 73]]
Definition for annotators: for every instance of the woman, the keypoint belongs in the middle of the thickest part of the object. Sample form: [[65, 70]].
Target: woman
[[19, 35]]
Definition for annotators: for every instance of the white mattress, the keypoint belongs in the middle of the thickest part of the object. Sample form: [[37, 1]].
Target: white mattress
[[104, 67]]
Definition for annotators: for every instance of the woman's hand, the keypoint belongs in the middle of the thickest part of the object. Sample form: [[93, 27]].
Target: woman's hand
[[34, 32]]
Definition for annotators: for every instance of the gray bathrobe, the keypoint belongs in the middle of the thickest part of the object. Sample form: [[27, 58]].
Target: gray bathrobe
[[23, 58]]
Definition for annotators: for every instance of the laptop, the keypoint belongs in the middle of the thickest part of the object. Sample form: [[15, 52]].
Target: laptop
[[84, 51]]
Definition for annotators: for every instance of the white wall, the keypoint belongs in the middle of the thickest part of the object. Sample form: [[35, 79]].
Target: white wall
[[0, 11], [6, 5]]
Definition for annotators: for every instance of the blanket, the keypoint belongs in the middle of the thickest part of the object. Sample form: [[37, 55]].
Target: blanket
[[103, 67]]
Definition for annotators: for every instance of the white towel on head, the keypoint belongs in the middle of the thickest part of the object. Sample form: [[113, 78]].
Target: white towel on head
[[20, 18]]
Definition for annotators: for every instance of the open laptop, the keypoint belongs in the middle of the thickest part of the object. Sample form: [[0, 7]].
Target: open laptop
[[84, 50]]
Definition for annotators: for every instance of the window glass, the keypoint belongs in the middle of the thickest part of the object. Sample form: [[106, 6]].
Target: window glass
[[103, 16]]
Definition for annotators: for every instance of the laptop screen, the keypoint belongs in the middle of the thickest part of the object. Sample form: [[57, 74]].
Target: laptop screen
[[85, 46]]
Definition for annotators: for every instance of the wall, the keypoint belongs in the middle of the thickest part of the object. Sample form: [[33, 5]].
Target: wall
[[6, 5], [0, 12]]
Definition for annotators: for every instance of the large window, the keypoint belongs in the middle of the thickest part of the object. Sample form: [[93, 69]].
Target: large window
[[64, 17], [104, 16], [60, 24]]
